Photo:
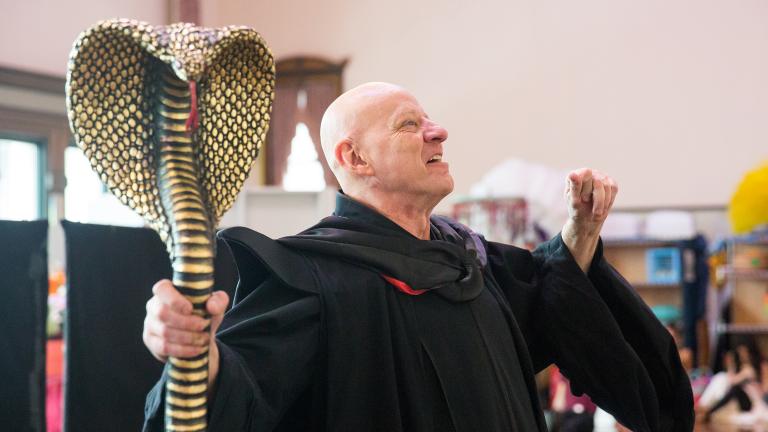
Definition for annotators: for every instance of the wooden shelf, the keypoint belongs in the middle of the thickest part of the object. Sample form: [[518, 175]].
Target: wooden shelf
[[743, 328], [747, 274], [630, 259], [646, 285], [641, 243], [759, 241]]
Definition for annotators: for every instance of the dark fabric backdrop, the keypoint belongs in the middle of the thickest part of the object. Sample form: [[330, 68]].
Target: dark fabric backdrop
[[24, 291], [111, 271]]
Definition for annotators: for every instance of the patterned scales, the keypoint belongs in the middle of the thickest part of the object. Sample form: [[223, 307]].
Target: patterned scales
[[171, 118]]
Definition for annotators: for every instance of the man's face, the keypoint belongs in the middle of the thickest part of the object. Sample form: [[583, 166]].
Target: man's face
[[404, 147]]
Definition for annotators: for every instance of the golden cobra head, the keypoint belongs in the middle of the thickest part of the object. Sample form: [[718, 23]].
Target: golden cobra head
[[115, 70]]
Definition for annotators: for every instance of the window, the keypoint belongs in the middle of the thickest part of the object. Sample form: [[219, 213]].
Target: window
[[86, 199], [304, 171], [304, 88], [20, 180]]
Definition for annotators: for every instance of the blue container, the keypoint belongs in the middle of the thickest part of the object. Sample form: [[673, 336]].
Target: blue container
[[663, 265]]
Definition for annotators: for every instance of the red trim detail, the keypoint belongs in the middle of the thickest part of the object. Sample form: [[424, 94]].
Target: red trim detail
[[402, 286], [192, 120]]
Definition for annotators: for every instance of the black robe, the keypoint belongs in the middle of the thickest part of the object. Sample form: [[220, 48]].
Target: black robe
[[357, 325]]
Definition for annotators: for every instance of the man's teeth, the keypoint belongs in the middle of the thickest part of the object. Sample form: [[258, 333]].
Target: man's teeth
[[436, 158]]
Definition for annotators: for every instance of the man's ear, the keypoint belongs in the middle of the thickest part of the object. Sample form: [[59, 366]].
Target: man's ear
[[349, 158]]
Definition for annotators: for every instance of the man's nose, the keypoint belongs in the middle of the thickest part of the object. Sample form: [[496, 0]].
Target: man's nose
[[435, 133]]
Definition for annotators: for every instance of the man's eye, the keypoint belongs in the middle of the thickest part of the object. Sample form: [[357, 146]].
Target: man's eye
[[410, 123]]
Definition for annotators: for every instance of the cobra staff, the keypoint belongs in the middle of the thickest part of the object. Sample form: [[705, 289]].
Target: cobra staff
[[171, 118]]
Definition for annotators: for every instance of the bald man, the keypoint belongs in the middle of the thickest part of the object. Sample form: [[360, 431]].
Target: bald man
[[384, 317]]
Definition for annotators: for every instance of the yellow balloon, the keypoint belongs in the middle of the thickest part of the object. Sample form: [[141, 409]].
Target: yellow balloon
[[749, 205]]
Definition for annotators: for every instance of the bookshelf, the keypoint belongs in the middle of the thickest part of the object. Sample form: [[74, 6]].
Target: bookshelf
[[746, 280], [630, 258], [741, 291], [658, 271]]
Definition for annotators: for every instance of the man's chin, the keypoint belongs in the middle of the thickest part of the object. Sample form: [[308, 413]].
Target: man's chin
[[446, 188], [450, 183]]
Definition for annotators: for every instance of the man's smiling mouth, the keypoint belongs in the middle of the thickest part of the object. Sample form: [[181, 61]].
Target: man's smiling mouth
[[436, 158]]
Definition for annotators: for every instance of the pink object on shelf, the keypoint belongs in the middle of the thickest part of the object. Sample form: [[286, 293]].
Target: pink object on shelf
[[54, 385]]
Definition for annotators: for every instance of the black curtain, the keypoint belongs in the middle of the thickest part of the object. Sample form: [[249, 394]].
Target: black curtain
[[111, 271], [24, 290]]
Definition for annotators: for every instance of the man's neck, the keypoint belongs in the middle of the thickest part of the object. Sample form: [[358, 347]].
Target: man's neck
[[408, 214]]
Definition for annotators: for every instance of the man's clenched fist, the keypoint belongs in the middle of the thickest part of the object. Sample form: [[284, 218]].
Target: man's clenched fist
[[589, 195], [172, 330]]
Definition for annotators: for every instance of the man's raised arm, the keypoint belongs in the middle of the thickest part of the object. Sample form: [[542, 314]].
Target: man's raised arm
[[589, 195]]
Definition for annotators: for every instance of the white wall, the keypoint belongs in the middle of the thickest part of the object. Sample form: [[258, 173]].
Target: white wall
[[670, 97], [37, 35], [276, 213]]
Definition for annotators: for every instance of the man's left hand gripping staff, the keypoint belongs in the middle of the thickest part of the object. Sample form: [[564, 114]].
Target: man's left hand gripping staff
[[590, 195]]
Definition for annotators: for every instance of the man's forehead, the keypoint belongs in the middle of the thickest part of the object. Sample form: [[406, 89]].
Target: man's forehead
[[403, 105], [405, 113], [381, 102]]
